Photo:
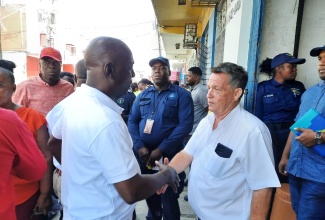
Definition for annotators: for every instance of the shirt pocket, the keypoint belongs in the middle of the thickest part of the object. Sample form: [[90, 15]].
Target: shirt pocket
[[270, 102], [170, 109], [144, 108], [217, 166]]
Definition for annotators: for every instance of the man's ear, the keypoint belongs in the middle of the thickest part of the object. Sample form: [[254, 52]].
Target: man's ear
[[238, 93], [108, 69], [14, 88]]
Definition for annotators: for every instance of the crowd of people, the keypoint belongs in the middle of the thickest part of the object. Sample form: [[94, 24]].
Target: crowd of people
[[100, 143]]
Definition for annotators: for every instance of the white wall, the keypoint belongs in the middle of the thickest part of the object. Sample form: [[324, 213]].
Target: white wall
[[245, 28], [312, 35], [279, 26], [19, 58], [239, 16], [232, 35]]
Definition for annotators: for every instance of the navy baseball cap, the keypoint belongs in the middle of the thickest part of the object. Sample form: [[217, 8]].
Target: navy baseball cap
[[159, 59], [316, 51], [285, 58]]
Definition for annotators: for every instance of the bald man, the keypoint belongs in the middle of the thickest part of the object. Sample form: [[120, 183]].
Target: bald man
[[100, 175], [80, 73]]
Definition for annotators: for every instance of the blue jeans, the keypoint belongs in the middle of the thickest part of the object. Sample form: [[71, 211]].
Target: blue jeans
[[165, 205], [307, 198]]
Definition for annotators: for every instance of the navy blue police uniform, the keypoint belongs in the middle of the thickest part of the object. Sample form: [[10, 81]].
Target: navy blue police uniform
[[277, 105], [125, 102], [173, 113]]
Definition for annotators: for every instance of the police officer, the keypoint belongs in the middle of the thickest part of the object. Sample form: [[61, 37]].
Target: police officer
[[125, 101], [278, 100], [161, 117]]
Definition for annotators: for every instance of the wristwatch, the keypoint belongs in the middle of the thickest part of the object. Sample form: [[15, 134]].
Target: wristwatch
[[318, 138]]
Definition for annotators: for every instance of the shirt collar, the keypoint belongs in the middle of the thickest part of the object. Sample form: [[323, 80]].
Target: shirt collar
[[196, 86], [276, 83], [226, 122], [170, 87], [39, 79], [321, 83], [106, 100]]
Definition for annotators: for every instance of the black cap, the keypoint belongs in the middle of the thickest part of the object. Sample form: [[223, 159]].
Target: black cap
[[316, 51], [159, 59]]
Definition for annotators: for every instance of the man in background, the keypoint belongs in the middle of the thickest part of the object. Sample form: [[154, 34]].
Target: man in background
[[161, 117], [44, 91], [80, 73], [199, 95], [67, 76]]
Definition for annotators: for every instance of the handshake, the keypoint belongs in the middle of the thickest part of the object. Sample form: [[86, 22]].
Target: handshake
[[170, 174]]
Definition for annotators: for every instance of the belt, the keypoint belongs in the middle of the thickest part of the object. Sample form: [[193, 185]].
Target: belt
[[279, 126], [58, 171]]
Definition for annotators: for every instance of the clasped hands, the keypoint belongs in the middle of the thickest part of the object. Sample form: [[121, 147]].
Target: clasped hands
[[151, 160]]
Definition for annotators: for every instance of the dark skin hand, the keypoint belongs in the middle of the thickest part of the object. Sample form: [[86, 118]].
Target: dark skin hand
[[44, 201], [147, 158], [142, 186], [144, 154], [154, 156]]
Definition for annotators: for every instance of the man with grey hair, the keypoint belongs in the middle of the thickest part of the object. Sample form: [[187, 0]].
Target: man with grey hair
[[232, 172]]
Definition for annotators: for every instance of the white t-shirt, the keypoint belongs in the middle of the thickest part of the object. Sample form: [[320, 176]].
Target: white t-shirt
[[96, 153], [222, 188]]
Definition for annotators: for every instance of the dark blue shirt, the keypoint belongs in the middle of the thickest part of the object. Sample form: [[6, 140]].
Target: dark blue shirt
[[125, 102], [278, 102], [305, 162], [173, 114]]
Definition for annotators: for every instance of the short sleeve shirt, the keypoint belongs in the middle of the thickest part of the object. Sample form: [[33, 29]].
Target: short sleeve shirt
[[37, 94], [221, 187], [96, 153]]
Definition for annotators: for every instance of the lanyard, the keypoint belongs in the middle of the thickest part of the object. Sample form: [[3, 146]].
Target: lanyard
[[155, 108]]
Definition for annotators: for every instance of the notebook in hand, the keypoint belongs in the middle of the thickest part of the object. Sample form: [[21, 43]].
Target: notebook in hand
[[312, 120]]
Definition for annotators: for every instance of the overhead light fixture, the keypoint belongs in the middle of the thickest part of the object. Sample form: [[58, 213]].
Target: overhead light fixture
[[181, 2]]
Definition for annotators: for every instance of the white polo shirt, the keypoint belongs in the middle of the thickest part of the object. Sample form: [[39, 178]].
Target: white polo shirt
[[222, 188], [96, 153]]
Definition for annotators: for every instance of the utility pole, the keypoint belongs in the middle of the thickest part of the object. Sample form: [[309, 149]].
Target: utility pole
[[158, 35]]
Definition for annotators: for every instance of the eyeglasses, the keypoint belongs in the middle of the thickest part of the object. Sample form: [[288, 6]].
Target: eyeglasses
[[160, 68]]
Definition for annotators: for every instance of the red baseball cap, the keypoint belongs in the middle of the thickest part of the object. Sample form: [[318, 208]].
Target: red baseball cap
[[51, 52]]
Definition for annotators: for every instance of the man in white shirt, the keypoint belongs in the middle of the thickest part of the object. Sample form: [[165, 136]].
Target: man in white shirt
[[100, 175], [232, 171]]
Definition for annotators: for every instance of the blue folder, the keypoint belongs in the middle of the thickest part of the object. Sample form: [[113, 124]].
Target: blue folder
[[314, 121]]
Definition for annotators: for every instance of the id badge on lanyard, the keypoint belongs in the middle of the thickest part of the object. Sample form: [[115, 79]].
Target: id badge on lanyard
[[148, 126]]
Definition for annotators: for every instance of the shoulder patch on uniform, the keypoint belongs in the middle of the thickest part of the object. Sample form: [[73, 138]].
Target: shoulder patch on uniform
[[120, 100]]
